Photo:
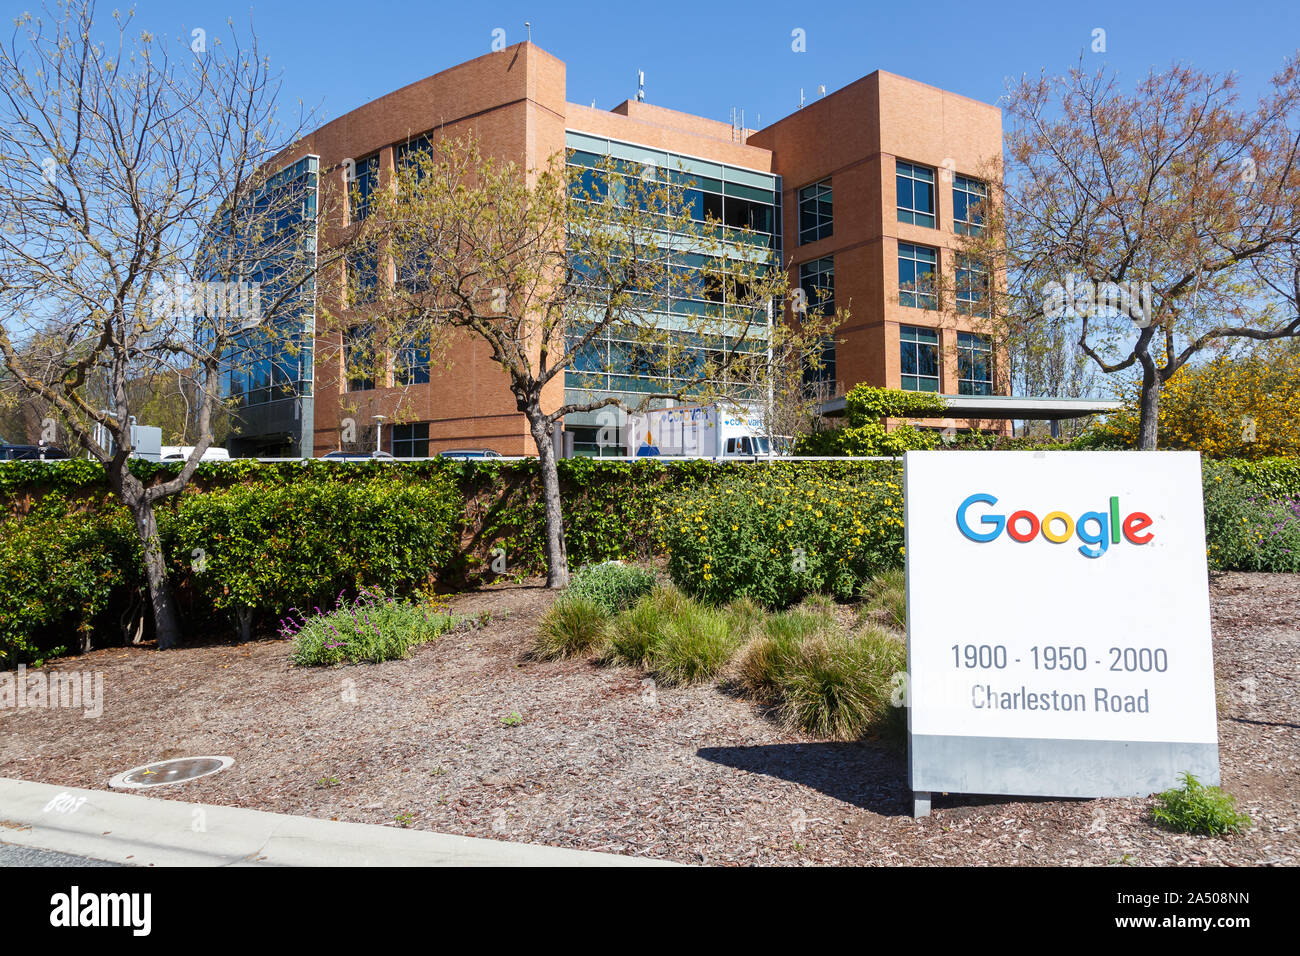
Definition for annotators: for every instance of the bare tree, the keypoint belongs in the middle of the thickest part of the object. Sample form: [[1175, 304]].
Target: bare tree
[[570, 269], [1147, 222], [143, 229]]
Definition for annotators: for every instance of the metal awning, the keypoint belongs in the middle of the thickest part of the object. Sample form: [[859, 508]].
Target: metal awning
[[1006, 406]]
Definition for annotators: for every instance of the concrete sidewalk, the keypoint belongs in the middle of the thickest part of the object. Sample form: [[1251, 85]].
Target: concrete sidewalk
[[146, 831]]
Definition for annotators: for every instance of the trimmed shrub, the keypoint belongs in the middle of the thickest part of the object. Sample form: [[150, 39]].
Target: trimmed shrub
[[259, 548], [373, 628], [866, 408], [775, 539], [612, 585], [1196, 808], [575, 625], [59, 573]]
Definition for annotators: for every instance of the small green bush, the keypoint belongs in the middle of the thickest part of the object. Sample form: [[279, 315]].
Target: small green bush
[[612, 585], [776, 539], [373, 628], [575, 625], [1196, 808]]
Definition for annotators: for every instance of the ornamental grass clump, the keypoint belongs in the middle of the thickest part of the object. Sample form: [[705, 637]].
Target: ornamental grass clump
[[839, 684], [674, 638], [373, 628], [821, 679], [1196, 808], [574, 626], [886, 599]]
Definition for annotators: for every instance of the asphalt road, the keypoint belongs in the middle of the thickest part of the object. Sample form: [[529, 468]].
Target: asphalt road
[[11, 855]]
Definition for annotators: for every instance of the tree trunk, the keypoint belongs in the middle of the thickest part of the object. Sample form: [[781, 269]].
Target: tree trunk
[[557, 560], [1150, 410], [244, 618], [166, 626]]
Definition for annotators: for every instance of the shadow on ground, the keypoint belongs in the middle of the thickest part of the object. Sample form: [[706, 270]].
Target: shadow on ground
[[869, 776]]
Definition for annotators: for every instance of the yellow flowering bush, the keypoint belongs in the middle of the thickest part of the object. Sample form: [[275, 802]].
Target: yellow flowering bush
[[1243, 407], [774, 536]]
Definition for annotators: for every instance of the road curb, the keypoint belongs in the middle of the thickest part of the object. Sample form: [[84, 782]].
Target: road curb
[[147, 831]]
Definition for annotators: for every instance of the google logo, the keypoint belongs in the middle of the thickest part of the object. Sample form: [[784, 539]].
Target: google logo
[[1098, 530]]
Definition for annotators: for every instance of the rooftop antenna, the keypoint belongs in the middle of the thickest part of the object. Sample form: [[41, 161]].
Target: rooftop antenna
[[529, 27], [640, 86], [801, 97]]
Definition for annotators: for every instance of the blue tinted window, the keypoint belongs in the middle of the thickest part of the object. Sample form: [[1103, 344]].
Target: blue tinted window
[[919, 359], [815, 212], [915, 193], [916, 275]]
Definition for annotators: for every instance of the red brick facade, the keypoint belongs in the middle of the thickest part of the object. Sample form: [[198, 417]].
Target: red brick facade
[[514, 102]]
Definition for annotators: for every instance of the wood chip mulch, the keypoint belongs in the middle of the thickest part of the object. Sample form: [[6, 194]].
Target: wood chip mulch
[[470, 737]]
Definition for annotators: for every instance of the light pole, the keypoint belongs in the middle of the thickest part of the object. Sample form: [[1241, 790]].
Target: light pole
[[379, 431]]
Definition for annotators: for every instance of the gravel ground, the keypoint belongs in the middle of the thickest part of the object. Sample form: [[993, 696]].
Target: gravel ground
[[469, 737]]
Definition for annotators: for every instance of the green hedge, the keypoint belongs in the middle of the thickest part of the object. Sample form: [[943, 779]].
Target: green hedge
[[266, 548], [60, 574], [276, 535], [1274, 477]]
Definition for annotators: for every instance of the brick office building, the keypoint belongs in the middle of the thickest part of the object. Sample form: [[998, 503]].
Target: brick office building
[[860, 190]]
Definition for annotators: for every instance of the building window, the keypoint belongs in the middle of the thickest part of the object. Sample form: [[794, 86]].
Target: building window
[[411, 441], [363, 275], [972, 291], [412, 364], [363, 186], [916, 274], [817, 279], [915, 193], [974, 364], [815, 212], [920, 358], [968, 196], [359, 358]]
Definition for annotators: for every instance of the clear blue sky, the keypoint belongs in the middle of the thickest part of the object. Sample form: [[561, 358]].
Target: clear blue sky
[[706, 58]]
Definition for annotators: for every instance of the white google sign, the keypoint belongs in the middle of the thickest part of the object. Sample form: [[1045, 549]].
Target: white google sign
[[1058, 623]]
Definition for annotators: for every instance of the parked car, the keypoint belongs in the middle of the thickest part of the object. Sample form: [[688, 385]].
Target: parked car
[[466, 453], [358, 456], [31, 453], [183, 452]]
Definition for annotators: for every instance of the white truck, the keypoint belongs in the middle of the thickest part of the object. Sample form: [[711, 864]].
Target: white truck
[[697, 431]]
